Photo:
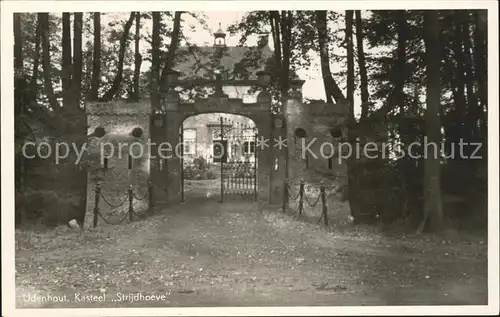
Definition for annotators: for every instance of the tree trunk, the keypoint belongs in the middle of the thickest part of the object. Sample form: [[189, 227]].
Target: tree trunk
[[460, 101], [174, 43], [470, 124], [75, 127], [36, 63], [138, 57], [20, 76], [77, 60], [352, 169], [400, 71], [281, 30], [432, 164], [66, 59], [115, 86], [47, 67], [362, 67], [332, 90], [400, 77], [96, 59], [286, 36], [155, 60], [19, 101], [350, 62], [276, 33], [480, 61]]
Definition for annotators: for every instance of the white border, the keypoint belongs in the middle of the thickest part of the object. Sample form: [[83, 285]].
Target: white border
[[7, 135]]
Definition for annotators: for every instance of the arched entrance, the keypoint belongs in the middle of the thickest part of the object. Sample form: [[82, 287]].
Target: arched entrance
[[219, 157], [168, 175]]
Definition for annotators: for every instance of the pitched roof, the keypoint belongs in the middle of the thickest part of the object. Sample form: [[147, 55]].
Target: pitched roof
[[235, 62]]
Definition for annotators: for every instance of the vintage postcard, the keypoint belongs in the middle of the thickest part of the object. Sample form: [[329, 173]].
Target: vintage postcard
[[216, 158]]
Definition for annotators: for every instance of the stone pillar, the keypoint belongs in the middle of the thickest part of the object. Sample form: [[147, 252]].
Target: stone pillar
[[264, 156], [278, 165], [297, 118], [265, 153], [126, 127], [172, 151], [157, 163]]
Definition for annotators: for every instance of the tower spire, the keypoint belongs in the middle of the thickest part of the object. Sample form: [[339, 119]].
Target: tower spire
[[220, 37]]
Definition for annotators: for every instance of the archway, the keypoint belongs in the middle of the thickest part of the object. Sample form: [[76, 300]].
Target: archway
[[219, 157], [173, 111]]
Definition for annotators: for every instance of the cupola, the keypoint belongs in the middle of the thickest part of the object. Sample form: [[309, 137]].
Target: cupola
[[220, 37]]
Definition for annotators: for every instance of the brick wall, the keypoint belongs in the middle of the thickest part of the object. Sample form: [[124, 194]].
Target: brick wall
[[118, 146]]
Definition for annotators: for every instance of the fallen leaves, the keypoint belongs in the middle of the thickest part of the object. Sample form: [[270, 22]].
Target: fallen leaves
[[238, 248]]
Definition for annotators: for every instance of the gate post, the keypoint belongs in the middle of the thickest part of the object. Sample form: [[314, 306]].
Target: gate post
[[222, 160], [256, 135], [181, 132], [173, 170]]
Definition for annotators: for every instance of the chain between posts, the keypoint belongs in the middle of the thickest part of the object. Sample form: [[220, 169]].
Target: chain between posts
[[97, 192], [324, 209], [301, 196], [130, 195], [130, 204]]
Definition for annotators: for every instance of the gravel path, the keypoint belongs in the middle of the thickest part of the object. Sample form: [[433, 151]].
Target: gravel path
[[236, 254]]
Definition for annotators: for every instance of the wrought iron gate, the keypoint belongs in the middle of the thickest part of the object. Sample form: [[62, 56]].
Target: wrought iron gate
[[235, 151], [238, 160]]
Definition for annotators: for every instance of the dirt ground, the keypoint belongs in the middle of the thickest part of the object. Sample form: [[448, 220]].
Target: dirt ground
[[204, 253]]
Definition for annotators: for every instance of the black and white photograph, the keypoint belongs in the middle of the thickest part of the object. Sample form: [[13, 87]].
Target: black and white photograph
[[249, 158]]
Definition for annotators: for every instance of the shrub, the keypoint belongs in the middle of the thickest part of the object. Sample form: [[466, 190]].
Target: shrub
[[199, 169], [211, 174], [49, 207]]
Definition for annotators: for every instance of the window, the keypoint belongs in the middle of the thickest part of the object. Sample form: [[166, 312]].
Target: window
[[189, 138], [248, 141], [248, 134], [248, 147], [235, 149]]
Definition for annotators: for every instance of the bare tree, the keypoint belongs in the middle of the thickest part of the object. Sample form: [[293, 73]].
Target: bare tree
[[155, 60], [115, 86], [36, 63], [76, 80], [137, 57], [362, 66], [174, 43], [66, 58], [47, 68], [352, 175], [332, 90], [96, 59], [432, 175]]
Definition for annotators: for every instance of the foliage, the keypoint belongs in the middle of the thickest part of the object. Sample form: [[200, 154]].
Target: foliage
[[393, 58], [199, 169], [49, 207]]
